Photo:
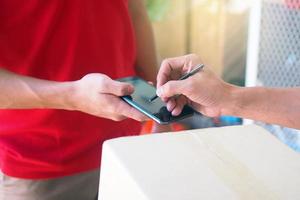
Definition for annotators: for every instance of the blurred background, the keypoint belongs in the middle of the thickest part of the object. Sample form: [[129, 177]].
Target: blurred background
[[246, 42], [215, 29]]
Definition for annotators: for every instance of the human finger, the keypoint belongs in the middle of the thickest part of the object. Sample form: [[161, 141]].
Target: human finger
[[117, 88], [171, 104], [181, 101], [171, 68], [122, 108], [170, 89], [174, 68]]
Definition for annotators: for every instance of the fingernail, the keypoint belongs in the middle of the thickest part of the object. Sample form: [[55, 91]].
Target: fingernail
[[175, 113], [169, 107], [159, 91]]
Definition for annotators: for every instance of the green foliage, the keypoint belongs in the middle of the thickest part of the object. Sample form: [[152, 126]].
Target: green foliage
[[157, 8]]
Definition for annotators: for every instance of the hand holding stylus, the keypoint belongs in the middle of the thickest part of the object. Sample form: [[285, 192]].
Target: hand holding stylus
[[203, 90], [211, 96]]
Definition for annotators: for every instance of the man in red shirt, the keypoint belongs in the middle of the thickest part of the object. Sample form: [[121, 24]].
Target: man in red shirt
[[58, 62]]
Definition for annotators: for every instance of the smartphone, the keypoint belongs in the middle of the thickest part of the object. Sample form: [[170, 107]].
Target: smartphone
[[156, 109]]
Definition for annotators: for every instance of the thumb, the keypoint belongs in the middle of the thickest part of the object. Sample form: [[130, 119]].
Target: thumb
[[118, 88], [170, 89]]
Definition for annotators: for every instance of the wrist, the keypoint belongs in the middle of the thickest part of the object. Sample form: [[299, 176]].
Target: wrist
[[233, 103]]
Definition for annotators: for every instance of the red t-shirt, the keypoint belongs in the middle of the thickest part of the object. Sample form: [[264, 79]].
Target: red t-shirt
[[61, 40]]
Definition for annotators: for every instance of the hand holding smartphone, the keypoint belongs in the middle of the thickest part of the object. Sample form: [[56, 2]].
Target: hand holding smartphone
[[156, 109]]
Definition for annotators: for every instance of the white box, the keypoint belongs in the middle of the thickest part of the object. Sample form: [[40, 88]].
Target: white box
[[241, 162]]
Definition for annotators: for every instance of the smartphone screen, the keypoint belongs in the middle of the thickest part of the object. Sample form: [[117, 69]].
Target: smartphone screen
[[156, 109]]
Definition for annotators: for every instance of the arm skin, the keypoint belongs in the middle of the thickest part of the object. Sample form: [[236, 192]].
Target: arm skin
[[94, 94], [146, 62], [213, 97], [22, 92], [271, 105]]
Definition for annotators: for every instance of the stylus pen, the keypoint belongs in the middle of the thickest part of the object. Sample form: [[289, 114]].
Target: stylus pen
[[185, 76]]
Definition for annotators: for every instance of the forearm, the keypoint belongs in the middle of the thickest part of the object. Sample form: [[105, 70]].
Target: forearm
[[146, 62], [271, 105], [22, 92]]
